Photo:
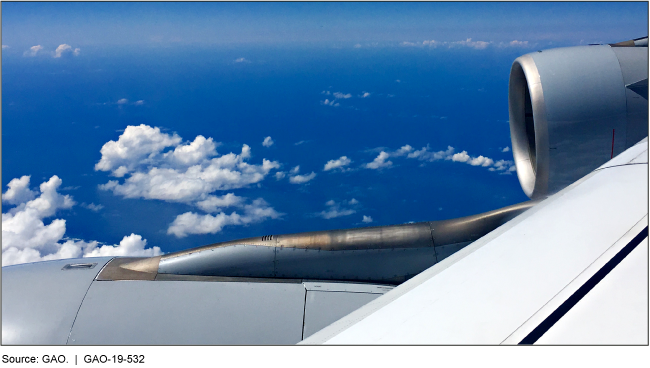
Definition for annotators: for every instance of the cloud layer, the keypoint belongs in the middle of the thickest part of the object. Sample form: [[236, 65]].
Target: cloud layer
[[26, 238], [478, 45]]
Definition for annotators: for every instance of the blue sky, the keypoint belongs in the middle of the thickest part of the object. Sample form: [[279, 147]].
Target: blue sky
[[135, 129]]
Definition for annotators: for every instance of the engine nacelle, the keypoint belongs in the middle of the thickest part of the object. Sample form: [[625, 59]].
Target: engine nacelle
[[572, 109]]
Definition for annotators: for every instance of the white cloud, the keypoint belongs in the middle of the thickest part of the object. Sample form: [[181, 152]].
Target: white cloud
[[404, 150], [342, 95], [139, 102], [364, 94], [432, 43], [280, 175], [191, 154], [132, 245], [479, 45], [122, 101], [33, 51], [516, 43], [241, 60], [188, 173], [357, 46], [340, 163], [215, 204], [366, 219], [64, 48], [379, 162], [504, 166], [460, 157], [5, 47], [327, 93], [481, 161], [301, 179], [192, 223], [327, 102], [335, 209], [93, 207], [268, 142], [18, 191], [135, 145], [507, 149], [295, 170], [26, 238], [425, 154]]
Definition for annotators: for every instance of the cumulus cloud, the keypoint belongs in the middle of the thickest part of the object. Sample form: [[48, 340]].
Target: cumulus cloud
[[280, 175], [506, 167], [338, 209], [18, 191], [160, 166], [340, 163], [460, 157], [479, 45], [26, 238], [132, 246], [380, 162], [215, 203], [301, 179], [135, 145], [33, 51], [122, 101], [516, 43], [139, 102], [366, 219], [193, 223], [481, 161], [364, 94], [241, 60], [425, 154], [5, 47], [342, 95], [507, 149], [268, 142], [61, 49]]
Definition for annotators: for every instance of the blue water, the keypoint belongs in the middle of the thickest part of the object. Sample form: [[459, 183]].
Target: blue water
[[55, 122]]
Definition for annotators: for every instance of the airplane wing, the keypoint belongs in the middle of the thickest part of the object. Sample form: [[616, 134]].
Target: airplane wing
[[572, 270], [569, 266]]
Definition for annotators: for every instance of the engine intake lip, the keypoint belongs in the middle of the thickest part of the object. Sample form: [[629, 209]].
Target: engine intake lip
[[528, 126]]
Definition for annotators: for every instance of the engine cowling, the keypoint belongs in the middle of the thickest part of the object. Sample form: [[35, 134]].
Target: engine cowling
[[572, 109]]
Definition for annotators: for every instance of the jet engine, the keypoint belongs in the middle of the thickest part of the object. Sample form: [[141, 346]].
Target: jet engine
[[573, 109]]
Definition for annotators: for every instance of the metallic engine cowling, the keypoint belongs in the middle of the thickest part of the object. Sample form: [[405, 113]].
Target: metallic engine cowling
[[572, 109]]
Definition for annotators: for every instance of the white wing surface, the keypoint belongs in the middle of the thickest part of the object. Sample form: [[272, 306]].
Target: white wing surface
[[572, 269]]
